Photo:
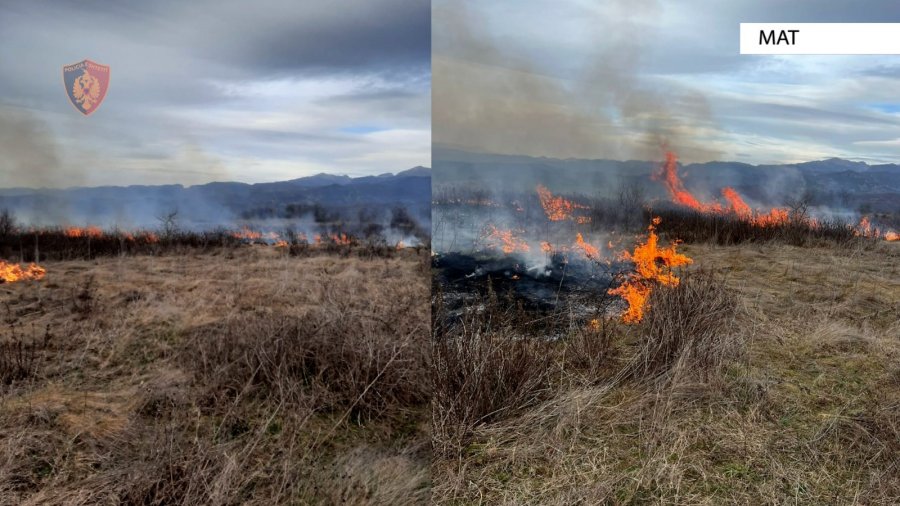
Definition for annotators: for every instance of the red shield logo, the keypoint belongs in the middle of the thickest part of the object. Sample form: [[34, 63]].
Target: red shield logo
[[86, 83]]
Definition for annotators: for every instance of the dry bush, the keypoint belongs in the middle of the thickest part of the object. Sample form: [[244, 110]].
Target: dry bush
[[479, 378], [588, 352], [495, 359], [17, 361], [687, 329], [331, 363], [484, 368], [21, 358]]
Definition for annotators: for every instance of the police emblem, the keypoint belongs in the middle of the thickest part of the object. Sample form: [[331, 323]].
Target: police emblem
[[86, 83]]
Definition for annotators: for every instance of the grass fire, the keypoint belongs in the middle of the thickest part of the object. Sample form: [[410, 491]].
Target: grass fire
[[235, 365], [10, 273], [652, 266], [658, 340]]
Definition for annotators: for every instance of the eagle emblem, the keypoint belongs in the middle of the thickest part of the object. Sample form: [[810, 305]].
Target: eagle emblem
[[86, 84]]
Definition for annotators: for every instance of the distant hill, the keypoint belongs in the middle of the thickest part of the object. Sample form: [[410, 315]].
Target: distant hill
[[220, 202], [834, 182]]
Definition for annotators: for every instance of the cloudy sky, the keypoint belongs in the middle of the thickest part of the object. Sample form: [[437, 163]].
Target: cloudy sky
[[623, 78], [215, 90]]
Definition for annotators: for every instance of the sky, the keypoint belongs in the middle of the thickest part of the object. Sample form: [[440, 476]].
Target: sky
[[628, 79], [215, 90]]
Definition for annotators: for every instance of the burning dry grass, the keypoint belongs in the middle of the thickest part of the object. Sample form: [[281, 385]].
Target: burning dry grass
[[771, 377], [10, 273], [58, 244], [796, 229], [233, 376]]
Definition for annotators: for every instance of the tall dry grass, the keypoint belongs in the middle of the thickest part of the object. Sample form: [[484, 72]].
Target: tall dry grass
[[234, 376], [769, 377]]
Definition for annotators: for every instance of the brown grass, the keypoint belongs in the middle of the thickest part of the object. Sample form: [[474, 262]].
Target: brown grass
[[687, 330], [232, 376], [495, 362], [788, 395]]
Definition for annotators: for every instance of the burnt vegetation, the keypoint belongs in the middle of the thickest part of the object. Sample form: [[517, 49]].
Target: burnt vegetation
[[734, 386], [26, 244], [496, 359], [799, 229]]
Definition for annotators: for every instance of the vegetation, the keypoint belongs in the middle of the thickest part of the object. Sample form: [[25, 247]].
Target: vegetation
[[222, 376], [768, 375]]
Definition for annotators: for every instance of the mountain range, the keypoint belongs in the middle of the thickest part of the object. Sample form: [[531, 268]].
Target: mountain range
[[834, 182], [219, 203]]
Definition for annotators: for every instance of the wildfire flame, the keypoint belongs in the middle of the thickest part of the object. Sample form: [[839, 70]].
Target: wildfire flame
[[737, 204], [652, 266], [668, 174], [342, 239], [94, 232], [10, 273], [590, 251], [504, 240], [558, 208], [247, 234], [865, 229]]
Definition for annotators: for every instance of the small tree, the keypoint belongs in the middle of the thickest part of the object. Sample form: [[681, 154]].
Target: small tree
[[7, 223], [632, 198], [169, 223]]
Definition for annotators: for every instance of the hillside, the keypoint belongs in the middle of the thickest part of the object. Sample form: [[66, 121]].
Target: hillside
[[840, 185], [219, 203]]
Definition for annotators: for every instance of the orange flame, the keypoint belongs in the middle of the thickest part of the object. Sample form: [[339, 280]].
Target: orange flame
[[342, 239], [775, 217], [652, 266], [83, 232], [866, 229], [10, 273], [865, 226], [736, 203], [505, 240], [247, 234], [558, 208], [589, 250], [668, 174]]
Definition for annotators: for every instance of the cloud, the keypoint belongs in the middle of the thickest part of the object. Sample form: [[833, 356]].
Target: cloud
[[619, 79], [265, 91]]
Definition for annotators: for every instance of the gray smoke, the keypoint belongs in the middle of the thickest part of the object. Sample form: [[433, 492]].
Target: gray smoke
[[489, 99]]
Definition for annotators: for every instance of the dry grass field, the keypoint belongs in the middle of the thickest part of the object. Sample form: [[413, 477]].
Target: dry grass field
[[236, 376], [771, 375]]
